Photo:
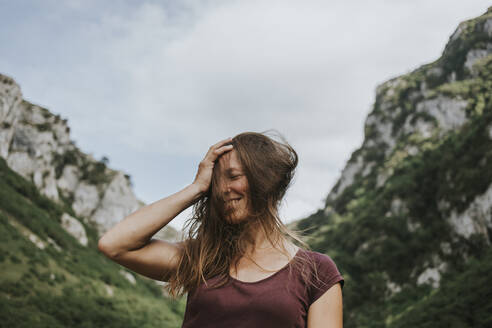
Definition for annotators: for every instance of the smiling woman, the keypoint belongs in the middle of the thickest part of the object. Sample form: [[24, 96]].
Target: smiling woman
[[234, 187], [239, 263]]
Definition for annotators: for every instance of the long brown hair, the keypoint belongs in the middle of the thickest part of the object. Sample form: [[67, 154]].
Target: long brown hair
[[212, 244]]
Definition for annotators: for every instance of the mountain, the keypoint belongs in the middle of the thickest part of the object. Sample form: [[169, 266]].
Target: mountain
[[55, 203], [409, 221], [36, 144]]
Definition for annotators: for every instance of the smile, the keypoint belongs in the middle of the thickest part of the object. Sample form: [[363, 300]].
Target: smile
[[234, 201]]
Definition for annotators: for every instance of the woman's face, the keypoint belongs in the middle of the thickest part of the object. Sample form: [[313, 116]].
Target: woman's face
[[233, 187]]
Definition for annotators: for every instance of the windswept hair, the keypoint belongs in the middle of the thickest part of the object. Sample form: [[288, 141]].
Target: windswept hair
[[212, 244]]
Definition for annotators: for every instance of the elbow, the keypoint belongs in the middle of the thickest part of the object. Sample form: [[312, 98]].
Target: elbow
[[105, 248]]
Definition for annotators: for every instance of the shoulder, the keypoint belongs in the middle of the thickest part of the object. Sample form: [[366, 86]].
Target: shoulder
[[321, 261], [324, 274]]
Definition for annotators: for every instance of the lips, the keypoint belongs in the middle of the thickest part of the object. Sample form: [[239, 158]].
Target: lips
[[233, 201]]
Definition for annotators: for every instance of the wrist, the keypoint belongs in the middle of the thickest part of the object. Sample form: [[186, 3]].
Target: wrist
[[197, 191]]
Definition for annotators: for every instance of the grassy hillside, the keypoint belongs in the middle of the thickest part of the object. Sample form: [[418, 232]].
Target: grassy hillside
[[66, 284], [463, 299], [395, 253]]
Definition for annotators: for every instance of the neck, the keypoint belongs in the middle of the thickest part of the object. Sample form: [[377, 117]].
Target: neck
[[262, 244]]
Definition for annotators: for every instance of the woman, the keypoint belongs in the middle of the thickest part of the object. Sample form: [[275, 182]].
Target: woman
[[233, 263]]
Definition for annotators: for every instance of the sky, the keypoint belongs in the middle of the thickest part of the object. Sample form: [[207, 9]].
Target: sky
[[152, 85]]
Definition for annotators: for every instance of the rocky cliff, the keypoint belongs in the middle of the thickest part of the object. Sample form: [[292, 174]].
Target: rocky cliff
[[413, 205], [36, 144]]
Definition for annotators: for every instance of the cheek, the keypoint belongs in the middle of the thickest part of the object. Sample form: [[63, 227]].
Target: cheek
[[244, 188], [243, 184]]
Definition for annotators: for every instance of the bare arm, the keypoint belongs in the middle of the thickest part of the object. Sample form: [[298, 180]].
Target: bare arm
[[130, 241], [137, 229], [327, 311]]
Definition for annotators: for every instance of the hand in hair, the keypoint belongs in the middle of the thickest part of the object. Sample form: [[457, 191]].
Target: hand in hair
[[203, 177]]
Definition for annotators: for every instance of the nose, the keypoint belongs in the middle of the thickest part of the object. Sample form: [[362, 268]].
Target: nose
[[229, 190], [226, 188]]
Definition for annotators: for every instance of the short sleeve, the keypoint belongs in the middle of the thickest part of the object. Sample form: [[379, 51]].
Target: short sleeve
[[328, 275]]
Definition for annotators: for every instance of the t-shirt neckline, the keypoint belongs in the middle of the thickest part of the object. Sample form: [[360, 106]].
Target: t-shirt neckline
[[269, 277]]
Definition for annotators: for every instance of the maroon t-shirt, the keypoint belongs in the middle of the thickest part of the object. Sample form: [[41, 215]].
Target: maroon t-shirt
[[263, 303]]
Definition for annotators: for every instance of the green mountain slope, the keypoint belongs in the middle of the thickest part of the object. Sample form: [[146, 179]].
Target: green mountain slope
[[49, 280], [409, 222]]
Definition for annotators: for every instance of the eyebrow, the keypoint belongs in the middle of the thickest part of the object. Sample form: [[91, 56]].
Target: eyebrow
[[229, 170]]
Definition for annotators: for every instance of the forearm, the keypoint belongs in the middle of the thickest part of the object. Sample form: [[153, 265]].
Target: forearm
[[135, 230]]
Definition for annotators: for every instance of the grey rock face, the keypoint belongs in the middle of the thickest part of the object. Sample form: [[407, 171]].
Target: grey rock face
[[413, 113], [449, 114], [86, 199], [75, 228], [36, 144], [432, 272], [457, 33], [128, 276], [347, 177], [117, 202], [10, 98], [474, 55], [476, 218]]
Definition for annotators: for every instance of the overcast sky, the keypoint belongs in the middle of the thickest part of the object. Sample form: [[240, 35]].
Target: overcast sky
[[153, 84]]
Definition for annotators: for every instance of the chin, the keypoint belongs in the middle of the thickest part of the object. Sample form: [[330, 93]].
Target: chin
[[235, 220], [231, 218]]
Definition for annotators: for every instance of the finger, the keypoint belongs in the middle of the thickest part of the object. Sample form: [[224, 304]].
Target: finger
[[222, 142], [219, 151], [217, 145], [223, 149]]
